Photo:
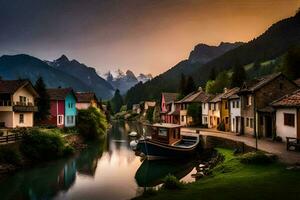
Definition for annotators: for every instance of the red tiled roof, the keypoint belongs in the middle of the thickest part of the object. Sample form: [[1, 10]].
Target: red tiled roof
[[291, 100], [59, 93], [85, 97], [11, 86]]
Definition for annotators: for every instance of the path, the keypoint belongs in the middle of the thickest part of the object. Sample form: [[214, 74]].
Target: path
[[279, 149]]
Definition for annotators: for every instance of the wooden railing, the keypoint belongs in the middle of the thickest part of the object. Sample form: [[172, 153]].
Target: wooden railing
[[15, 103], [11, 138]]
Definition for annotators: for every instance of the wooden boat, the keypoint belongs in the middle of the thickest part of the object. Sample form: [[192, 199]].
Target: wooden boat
[[167, 142]]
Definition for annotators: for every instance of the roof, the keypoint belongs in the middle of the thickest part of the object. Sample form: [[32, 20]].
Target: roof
[[165, 125], [198, 96], [297, 82], [291, 100], [169, 97], [85, 97], [59, 93], [216, 98], [11, 86], [257, 83], [267, 109]]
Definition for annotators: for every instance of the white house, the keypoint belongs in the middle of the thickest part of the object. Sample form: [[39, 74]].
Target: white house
[[235, 113], [288, 115]]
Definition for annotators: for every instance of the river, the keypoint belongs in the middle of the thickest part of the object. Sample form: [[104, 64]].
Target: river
[[105, 170]]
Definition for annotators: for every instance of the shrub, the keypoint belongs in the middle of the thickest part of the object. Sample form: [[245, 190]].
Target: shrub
[[171, 183], [91, 123], [257, 158], [10, 155], [41, 144]]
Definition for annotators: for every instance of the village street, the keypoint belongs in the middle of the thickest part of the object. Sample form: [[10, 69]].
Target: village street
[[266, 145]]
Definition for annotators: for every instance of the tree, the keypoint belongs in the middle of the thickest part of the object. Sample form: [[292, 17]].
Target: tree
[[291, 63], [190, 85], [209, 87], [194, 110], [218, 85], [149, 114], [212, 74], [43, 101], [238, 76], [91, 123], [182, 85], [256, 65], [117, 101]]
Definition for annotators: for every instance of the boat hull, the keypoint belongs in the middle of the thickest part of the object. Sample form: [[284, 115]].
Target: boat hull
[[155, 150]]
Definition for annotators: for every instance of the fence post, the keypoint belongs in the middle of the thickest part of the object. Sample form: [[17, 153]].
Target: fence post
[[6, 138]]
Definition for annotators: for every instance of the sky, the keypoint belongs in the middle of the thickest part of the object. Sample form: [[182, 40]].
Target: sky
[[145, 36]]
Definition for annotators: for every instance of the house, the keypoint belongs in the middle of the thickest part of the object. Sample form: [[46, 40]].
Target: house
[[234, 102], [214, 111], [17, 103], [86, 100], [256, 96], [288, 115], [169, 113], [62, 107], [225, 107], [145, 105], [205, 110], [198, 97], [136, 108]]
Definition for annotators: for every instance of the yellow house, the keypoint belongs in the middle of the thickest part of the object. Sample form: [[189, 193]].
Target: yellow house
[[17, 104], [225, 117]]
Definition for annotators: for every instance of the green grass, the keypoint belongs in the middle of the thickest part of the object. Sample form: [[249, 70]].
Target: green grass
[[234, 180]]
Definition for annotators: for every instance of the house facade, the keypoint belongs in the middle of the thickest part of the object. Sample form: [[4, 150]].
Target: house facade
[[235, 113], [256, 96], [86, 100], [17, 103], [169, 112], [214, 111], [288, 116], [62, 107]]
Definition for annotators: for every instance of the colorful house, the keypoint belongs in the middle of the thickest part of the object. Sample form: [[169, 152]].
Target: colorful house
[[234, 102], [288, 116], [198, 97], [225, 107], [62, 107], [169, 113], [205, 111], [17, 105], [86, 100], [256, 96], [214, 111]]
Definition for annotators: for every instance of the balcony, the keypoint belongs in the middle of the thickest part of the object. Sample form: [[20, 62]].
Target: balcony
[[17, 106]]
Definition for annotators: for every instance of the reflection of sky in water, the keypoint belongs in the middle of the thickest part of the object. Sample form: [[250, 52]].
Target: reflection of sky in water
[[94, 174]]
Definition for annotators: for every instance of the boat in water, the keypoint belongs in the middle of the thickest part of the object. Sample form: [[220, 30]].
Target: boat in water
[[167, 142]]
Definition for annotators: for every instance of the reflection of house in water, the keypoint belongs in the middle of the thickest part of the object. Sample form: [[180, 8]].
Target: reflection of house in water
[[67, 175]]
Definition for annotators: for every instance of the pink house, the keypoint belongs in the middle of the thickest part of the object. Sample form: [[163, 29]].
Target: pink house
[[169, 112]]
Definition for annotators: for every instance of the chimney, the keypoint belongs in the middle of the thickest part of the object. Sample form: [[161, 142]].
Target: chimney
[[200, 89], [225, 90]]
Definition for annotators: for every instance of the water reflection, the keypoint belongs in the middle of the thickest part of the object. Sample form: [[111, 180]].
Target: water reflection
[[105, 170]]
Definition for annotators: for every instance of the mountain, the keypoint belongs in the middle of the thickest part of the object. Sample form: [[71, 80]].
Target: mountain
[[169, 80], [273, 43], [29, 67], [204, 53], [85, 74], [25, 66], [124, 81]]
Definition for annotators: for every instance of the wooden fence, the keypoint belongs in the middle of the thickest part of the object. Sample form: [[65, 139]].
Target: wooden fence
[[11, 138]]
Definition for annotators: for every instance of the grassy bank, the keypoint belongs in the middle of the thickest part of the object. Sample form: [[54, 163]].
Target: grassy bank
[[234, 180]]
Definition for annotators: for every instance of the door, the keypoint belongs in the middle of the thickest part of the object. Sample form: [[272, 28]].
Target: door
[[242, 126], [237, 122], [268, 126]]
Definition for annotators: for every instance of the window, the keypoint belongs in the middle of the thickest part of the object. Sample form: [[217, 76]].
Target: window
[[226, 105], [251, 123], [233, 122], [163, 132], [209, 106], [237, 104], [70, 119], [205, 120], [182, 118], [226, 120], [21, 119], [289, 119], [60, 119], [247, 122], [23, 100], [249, 99], [204, 106], [233, 104], [261, 120]]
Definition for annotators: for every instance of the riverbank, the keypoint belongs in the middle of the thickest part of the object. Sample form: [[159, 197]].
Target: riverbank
[[36, 147], [235, 180]]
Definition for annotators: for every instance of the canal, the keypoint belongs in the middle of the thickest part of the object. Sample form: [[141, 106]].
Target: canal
[[105, 170]]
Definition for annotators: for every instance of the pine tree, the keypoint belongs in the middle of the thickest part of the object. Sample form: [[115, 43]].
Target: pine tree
[[182, 85], [190, 85], [43, 101], [291, 63], [117, 101], [238, 76]]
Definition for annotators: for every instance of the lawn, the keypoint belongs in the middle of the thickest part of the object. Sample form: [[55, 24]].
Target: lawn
[[234, 180]]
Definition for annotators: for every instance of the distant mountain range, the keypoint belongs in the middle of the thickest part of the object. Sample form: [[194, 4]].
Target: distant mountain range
[[59, 73], [124, 81], [273, 43]]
